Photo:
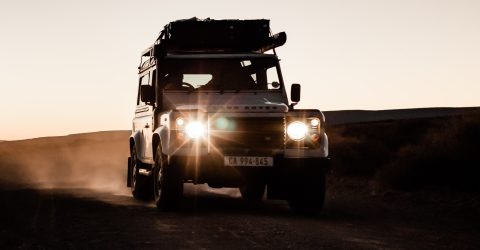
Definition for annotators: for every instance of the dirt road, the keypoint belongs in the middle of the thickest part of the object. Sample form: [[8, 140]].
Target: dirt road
[[85, 218]]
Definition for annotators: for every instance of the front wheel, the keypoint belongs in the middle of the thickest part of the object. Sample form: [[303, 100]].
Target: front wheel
[[167, 184], [308, 196], [140, 185]]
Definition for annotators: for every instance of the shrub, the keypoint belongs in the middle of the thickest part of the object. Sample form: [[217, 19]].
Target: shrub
[[445, 156]]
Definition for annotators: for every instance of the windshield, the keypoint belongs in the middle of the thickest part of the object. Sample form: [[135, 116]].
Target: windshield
[[220, 74]]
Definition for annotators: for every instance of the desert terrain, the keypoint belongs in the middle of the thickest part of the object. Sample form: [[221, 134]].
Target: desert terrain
[[397, 182]]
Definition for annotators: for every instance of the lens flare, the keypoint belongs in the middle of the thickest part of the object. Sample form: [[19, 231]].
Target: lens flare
[[221, 123], [180, 121]]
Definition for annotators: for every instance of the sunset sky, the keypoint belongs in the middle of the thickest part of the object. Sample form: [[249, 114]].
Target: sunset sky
[[71, 66]]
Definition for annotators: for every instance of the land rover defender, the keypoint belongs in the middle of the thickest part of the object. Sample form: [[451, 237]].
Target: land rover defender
[[212, 108]]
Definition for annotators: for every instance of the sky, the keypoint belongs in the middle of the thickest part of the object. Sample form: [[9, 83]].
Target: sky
[[71, 66]]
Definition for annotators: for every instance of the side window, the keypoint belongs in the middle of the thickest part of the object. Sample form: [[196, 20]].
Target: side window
[[272, 78], [144, 80], [263, 73]]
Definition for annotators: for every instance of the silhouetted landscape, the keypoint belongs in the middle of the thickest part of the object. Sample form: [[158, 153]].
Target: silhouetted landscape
[[408, 154], [396, 182], [357, 116]]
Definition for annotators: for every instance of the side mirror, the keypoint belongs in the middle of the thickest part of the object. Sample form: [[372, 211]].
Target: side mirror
[[295, 93], [147, 94]]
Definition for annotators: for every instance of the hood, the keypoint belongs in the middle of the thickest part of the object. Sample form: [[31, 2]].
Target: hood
[[227, 102]]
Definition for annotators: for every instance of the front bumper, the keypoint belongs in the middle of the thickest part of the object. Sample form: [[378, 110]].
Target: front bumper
[[210, 169]]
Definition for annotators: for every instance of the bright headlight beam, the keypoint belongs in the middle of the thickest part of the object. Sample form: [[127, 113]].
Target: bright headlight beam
[[297, 130], [195, 129]]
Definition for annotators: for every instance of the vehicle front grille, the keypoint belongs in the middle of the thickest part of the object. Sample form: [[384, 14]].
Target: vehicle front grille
[[247, 132]]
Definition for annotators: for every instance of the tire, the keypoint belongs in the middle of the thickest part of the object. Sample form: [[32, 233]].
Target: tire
[[167, 183], [140, 185], [308, 196], [252, 190]]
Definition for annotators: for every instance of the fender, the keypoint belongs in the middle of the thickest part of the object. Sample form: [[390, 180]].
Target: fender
[[324, 141], [160, 135], [135, 139]]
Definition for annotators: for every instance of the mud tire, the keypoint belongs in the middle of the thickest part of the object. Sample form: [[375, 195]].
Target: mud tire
[[167, 183], [140, 185]]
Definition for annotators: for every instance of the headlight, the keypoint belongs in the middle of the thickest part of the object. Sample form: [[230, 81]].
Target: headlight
[[297, 130], [195, 129]]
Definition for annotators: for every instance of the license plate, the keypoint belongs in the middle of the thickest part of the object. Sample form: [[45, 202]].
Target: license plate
[[248, 161]]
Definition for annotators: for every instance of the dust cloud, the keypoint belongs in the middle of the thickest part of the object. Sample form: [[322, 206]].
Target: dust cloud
[[96, 161], [92, 160]]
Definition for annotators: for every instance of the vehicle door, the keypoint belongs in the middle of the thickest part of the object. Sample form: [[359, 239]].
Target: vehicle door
[[143, 121]]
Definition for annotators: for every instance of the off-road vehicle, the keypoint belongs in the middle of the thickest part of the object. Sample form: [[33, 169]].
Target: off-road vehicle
[[212, 108]]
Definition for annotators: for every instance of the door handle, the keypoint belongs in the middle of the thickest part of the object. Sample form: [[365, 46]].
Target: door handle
[[147, 125]]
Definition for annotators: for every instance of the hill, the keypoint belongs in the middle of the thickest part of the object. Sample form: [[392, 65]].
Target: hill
[[91, 159], [355, 116]]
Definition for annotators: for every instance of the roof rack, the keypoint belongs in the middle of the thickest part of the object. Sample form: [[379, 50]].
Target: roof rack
[[215, 36]]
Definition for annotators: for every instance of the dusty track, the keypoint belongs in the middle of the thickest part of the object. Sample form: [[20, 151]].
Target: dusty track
[[84, 218], [76, 198]]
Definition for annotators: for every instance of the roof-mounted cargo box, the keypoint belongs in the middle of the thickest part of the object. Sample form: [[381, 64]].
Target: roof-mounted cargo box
[[212, 36]]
